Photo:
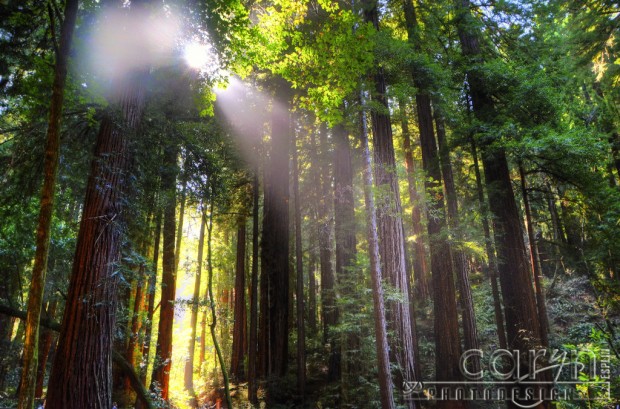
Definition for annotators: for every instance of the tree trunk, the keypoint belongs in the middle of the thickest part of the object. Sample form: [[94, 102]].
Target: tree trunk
[[420, 269], [211, 301], [130, 354], [152, 282], [189, 364], [299, 290], [389, 218], [459, 260], [28, 379], [535, 263], [522, 323], [237, 371], [447, 343], [116, 357], [275, 251], [385, 376], [312, 306], [348, 277], [491, 260], [329, 311], [81, 374], [253, 343], [46, 341], [163, 355], [179, 236]]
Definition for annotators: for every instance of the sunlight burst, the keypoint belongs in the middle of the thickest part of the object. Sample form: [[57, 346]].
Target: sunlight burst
[[196, 55]]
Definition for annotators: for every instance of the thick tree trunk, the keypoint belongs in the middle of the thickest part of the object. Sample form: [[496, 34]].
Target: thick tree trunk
[[163, 355], [386, 388], [237, 371], [348, 277], [420, 269], [117, 358], [523, 327], [81, 374], [299, 289], [253, 341], [391, 235], [191, 349], [490, 250], [459, 260], [275, 245], [28, 379], [447, 338], [541, 304], [329, 311]]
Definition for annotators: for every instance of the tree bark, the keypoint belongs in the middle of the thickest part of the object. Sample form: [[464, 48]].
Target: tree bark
[[389, 218], [150, 310], [459, 260], [275, 245], [81, 374], [329, 311], [491, 265], [523, 327], [385, 376], [45, 345], [299, 289], [348, 277], [253, 342], [237, 371], [163, 355], [117, 358], [179, 236], [420, 269], [28, 379], [541, 303], [447, 338]]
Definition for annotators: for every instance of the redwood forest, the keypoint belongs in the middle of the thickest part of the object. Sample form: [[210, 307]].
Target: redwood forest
[[406, 204]]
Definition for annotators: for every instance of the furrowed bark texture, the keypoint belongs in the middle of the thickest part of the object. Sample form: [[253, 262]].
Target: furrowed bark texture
[[81, 374]]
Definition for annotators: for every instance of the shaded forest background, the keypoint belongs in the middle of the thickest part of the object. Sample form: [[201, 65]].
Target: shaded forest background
[[304, 203]]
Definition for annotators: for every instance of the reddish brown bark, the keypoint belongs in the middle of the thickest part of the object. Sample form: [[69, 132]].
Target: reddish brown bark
[[30, 354], [386, 388], [491, 265], [459, 260], [81, 374], [447, 339], [161, 370], [391, 234], [522, 324]]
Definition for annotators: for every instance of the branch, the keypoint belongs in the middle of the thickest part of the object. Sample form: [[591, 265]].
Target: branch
[[117, 358]]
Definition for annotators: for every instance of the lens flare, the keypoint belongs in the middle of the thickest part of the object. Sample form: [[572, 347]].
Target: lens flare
[[196, 55]]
